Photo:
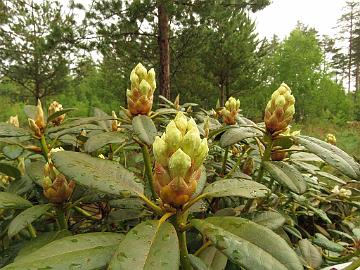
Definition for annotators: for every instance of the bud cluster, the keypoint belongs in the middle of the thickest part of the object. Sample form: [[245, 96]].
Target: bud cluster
[[330, 138], [140, 96], [53, 108], [179, 154], [38, 124], [56, 187], [230, 111], [341, 192], [14, 121], [279, 110]]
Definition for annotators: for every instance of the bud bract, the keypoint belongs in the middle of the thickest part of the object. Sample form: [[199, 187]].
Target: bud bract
[[140, 96], [179, 154], [279, 110], [38, 124], [56, 188]]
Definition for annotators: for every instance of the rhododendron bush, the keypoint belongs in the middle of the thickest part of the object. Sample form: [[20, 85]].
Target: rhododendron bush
[[177, 187]]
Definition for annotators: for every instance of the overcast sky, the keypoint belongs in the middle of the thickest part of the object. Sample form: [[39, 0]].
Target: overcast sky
[[281, 16]]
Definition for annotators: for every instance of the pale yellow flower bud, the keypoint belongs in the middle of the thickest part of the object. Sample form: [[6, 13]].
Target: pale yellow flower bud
[[181, 122], [173, 136], [144, 87], [191, 142], [201, 154], [179, 164], [53, 108], [14, 120], [160, 151]]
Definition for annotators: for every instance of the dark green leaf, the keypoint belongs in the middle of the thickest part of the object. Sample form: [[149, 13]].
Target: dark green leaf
[[148, 246], [240, 239], [40, 241], [97, 141], [26, 217], [269, 219], [286, 175], [12, 151], [235, 135], [332, 155], [323, 242], [102, 175], [9, 170], [13, 201], [213, 258], [236, 187], [144, 128], [88, 251], [310, 254], [7, 130]]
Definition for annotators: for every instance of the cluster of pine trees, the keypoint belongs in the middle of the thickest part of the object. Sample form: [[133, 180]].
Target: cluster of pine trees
[[82, 53]]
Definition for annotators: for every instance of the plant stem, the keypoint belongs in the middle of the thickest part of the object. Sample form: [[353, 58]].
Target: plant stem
[[184, 255], [32, 230], [61, 216], [223, 169], [353, 266], [235, 166], [152, 205], [44, 148], [85, 213], [266, 157], [148, 169], [203, 247]]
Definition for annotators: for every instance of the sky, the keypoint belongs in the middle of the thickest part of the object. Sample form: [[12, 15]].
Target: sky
[[281, 16]]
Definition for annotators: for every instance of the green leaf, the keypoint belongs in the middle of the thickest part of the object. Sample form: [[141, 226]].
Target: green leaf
[[197, 263], [310, 254], [248, 244], [13, 201], [331, 177], [35, 170], [235, 135], [144, 128], [270, 219], [9, 170], [7, 130], [236, 187], [286, 175], [88, 251], [58, 113], [21, 185], [323, 242], [26, 217], [102, 175], [99, 140], [320, 213], [332, 155], [12, 151], [40, 241], [213, 258], [148, 246]]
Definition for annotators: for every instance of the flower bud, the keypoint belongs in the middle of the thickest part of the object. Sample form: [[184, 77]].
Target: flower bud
[[177, 102], [330, 138], [55, 186], [181, 122], [14, 121], [230, 111], [35, 128], [38, 124], [160, 151], [114, 122], [279, 110], [191, 142], [140, 96], [178, 153], [179, 164], [173, 136], [53, 108]]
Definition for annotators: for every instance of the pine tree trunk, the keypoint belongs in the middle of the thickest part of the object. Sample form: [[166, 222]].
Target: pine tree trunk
[[350, 50], [163, 41]]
